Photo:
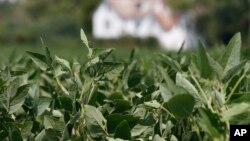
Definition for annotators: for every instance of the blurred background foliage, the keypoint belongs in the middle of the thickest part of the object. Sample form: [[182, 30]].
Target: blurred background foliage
[[24, 22]]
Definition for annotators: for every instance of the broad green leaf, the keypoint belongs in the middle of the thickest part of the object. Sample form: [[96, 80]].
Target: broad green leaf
[[121, 105], [183, 82], [165, 93], [3, 132], [52, 135], [53, 123], [172, 87], [153, 104], [18, 100], [122, 131], [114, 72], [134, 79], [217, 68], [231, 57], [138, 130], [211, 123], [181, 106], [101, 53], [40, 136], [158, 138], [59, 72], [233, 71], [43, 104], [171, 62], [66, 102], [16, 135], [95, 120], [147, 120], [235, 109], [110, 70], [64, 63], [240, 98], [114, 119], [203, 62], [26, 129], [39, 60]]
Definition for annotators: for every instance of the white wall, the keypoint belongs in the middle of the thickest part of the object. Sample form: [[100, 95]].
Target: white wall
[[141, 27]]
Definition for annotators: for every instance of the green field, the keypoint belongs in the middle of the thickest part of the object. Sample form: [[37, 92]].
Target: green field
[[74, 91]]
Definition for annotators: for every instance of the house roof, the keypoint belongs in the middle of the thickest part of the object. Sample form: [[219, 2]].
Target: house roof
[[140, 8]]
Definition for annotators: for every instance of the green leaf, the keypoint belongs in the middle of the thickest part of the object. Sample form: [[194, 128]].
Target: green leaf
[[47, 54], [66, 102], [203, 62], [40, 136], [121, 105], [147, 120], [183, 82], [165, 93], [158, 138], [173, 64], [181, 106], [112, 70], [139, 130], [114, 119], [101, 53], [53, 123], [26, 129], [235, 109], [171, 86], [153, 104], [134, 79], [64, 63], [231, 57], [86, 43], [3, 133], [95, 120], [233, 71], [43, 104], [217, 68], [211, 123], [18, 100], [84, 38], [39, 60], [52, 135], [16, 135], [240, 98], [122, 131]]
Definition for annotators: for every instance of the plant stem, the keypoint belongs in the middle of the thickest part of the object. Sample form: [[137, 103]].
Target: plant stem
[[167, 111], [91, 92], [235, 87], [61, 86], [202, 92]]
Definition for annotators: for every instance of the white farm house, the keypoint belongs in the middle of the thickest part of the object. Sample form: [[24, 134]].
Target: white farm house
[[143, 18]]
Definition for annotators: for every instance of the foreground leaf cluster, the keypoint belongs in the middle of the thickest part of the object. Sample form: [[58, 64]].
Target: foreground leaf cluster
[[177, 97]]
